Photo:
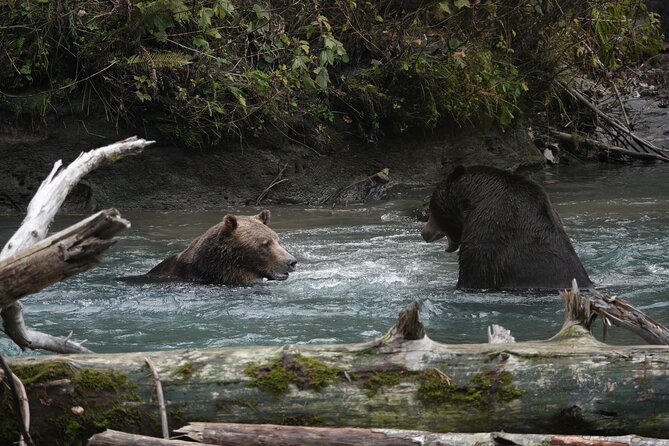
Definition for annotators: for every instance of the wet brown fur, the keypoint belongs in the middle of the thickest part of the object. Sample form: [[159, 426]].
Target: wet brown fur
[[237, 250]]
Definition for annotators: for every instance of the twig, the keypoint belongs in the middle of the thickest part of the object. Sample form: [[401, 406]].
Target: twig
[[160, 396], [64, 87], [276, 181], [621, 103], [20, 402]]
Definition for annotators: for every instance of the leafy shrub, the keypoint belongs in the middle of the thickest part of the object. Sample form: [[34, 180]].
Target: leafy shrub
[[205, 70]]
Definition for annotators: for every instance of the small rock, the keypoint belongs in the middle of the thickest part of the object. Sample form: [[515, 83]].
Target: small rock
[[77, 410]]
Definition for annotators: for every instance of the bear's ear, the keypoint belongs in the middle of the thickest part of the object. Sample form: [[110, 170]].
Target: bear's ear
[[229, 223], [264, 216]]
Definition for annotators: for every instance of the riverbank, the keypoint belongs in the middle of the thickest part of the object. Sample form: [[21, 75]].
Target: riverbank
[[166, 176]]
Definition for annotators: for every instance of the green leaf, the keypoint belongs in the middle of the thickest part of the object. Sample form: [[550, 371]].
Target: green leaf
[[462, 4], [261, 12], [224, 8], [213, 32], [322, 77], [454, 43], [160, 36], [201, 43], [308, 82], [205, 18], [445, 7], [238, 94], [300, 63]]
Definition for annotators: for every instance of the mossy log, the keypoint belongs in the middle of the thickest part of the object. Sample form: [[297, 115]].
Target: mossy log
[[570, 384]]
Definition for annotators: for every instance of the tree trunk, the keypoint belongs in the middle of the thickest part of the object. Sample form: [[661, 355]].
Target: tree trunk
[[571, 384]]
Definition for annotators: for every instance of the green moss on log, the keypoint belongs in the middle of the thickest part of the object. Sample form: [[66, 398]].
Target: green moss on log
[[373, 382], [108, 400], [185, 371], [483, 390], [304, 372]]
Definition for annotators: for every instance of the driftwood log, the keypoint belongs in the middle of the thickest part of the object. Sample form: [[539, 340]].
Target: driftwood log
[[40, 214], [70, 251], [232, 434], [570, 384]]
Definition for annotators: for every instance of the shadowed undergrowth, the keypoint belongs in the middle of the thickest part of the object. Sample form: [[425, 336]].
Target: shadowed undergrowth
[[201, 71]]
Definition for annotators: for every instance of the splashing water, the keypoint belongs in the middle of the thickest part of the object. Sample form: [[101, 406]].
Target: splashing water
[[358, 267]]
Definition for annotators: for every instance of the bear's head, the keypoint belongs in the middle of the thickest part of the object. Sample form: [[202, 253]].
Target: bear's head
[[237, 250], [253, 248], [447, 209]]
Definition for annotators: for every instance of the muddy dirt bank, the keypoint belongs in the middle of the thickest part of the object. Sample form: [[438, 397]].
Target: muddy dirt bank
[[232, 174]]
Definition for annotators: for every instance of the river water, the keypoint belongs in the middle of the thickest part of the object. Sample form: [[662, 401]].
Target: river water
[[357, 268]]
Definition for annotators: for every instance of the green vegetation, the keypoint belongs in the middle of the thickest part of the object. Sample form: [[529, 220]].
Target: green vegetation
[[374, 382], [107, 398], [302, 371], [185, 371], [483, 390], [204, 70]]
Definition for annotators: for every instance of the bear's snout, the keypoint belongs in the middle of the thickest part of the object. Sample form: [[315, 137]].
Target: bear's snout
[[431, 232]]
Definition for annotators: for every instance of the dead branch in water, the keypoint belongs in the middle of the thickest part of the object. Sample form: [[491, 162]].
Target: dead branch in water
[[584, 309], [380, 177], [41, 212]]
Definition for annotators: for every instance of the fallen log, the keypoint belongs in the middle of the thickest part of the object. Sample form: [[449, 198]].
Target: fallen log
[[68, 252], [234, 434], [117, 438], [570, 384]]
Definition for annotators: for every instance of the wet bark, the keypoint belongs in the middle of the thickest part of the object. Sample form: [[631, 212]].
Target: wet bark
[[70, 251]]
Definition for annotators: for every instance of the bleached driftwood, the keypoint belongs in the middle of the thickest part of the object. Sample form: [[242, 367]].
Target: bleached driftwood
[[118, 438], [40, 214], [235, 434], [570, 384], [499, 335]]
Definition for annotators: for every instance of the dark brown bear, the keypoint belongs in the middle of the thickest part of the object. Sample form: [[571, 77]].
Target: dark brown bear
[[509, 235], [237, 250]]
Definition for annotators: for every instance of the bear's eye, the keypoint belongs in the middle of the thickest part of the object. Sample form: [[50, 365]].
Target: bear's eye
[[266, 243]]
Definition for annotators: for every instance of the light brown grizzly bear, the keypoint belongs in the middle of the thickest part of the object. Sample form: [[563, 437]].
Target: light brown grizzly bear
[[237, 250]]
